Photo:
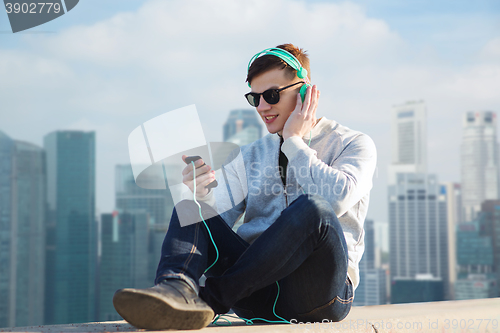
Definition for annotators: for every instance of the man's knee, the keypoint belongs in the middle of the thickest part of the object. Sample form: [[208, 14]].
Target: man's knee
[[316, 205]]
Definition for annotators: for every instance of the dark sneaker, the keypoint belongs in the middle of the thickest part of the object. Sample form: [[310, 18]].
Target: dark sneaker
[[172, 304]]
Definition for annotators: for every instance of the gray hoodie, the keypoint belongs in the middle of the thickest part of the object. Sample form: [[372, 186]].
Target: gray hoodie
[[339, 165]]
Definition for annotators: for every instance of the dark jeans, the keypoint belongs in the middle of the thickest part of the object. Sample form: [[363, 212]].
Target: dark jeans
[[304, 250]]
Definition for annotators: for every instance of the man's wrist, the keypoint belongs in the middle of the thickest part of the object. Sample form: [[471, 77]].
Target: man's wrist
[[292, 146], [285, 136]]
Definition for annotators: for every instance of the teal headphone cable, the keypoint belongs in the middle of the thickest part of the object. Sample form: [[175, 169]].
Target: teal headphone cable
[[199, 207], [247, 321]]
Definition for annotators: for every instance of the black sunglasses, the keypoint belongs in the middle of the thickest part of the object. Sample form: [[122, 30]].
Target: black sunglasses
[[271, 96]]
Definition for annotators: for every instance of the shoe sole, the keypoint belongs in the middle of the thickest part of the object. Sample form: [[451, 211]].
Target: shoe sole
[[144, 310]]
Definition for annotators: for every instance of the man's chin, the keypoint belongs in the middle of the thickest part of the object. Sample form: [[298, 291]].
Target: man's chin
[[274, 131]]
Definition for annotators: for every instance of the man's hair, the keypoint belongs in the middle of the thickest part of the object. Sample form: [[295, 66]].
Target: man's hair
[[268, 62]]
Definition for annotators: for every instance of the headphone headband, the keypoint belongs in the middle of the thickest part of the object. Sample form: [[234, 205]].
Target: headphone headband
[[285, 56]]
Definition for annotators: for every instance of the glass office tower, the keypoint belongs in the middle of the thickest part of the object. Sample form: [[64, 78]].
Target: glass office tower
[[372, 279], [124, 258], [6, 153], [157, 204], [418, 233], [71, 227], [131, 198], [475, 260], [22, 234]]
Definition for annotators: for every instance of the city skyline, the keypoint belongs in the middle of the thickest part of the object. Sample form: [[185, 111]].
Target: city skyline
[[71, 153], [365, 57], [107, 67], [401, 167]]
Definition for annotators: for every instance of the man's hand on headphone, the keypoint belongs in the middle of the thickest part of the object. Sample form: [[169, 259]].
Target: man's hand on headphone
[[303, 117]]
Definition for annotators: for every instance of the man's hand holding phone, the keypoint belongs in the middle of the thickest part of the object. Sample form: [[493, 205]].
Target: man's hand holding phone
[[205, 176]]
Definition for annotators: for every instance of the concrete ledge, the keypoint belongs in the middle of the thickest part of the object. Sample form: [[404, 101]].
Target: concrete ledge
[[481, 315]]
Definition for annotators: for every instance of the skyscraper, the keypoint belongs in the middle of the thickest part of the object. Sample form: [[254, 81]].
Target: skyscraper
[[157, 204], [418, 226], [130, 197], [242, 127], [6, 155], [124, 256], [454, 214], [490, 211], [371, 289], [22, 241], [409, 139], [475, 260], [480, 164], [71, 230]]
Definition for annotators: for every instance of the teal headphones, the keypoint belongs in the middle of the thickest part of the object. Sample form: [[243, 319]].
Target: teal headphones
[[291, 61]]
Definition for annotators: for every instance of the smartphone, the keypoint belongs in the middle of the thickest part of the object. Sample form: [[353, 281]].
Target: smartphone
[[190, 159]]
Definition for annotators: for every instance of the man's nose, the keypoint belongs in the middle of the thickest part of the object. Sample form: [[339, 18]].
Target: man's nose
[[263, 105]]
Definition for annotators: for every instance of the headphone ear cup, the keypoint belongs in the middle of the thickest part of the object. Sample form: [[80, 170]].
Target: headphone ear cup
[[303, 91], [302, 73]]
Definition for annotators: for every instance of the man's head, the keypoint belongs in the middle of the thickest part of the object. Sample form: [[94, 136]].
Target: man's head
[[271, 72], [267, 62]]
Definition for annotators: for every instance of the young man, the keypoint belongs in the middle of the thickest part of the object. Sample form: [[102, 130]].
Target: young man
[[304, 189]]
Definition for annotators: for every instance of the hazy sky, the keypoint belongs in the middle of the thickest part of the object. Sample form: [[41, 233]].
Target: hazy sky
[[110, 65]]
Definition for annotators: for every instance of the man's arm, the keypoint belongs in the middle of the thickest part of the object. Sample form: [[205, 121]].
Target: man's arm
[[345, 181]]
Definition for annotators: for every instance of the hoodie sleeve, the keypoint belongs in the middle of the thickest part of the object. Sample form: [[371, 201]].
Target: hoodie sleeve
[[344, 180]]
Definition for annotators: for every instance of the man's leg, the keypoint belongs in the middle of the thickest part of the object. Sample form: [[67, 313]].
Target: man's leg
[[173, 302], [305, 249], [319, 288], [187, 251]]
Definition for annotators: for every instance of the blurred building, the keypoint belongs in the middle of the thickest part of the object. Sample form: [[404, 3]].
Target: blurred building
[[381, 238], [421, 288], [490, 211], [129, 197], [418, 230], [6, 152], [475, 261], [418, 224], [479, 161], [157, 204], [242, 127], [372, 284], [454, 215], [22, 234], [409, 139], [124, 264], [476, 286], [71, 254]]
